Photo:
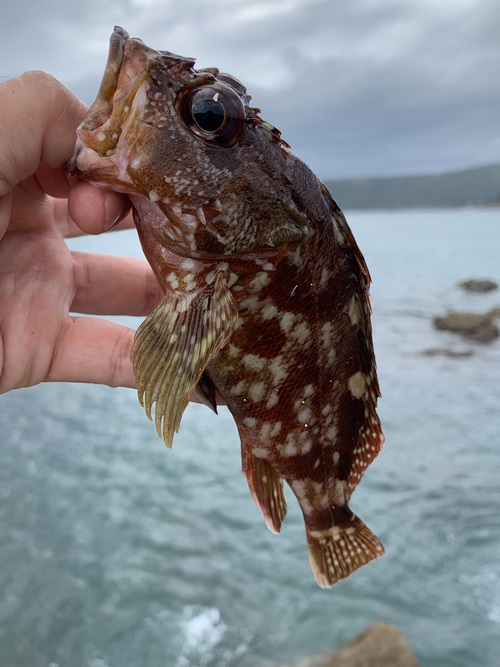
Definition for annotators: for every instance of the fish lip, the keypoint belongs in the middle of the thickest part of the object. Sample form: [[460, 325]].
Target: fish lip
[[101, 109], [102, 106], [126, 70]]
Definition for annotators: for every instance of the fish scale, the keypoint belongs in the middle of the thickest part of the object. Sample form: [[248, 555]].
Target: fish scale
[[266, 291]]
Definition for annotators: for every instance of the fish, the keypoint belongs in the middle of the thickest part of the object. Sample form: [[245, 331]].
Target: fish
[[266, 304]]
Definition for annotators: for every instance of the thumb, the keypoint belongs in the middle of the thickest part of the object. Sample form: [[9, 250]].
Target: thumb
[[95, 210]]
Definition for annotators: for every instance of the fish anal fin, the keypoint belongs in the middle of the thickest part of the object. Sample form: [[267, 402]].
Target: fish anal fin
[[173, 346], [266, 487], [337, 552]]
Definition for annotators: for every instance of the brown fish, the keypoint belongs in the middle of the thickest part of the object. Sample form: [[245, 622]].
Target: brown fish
[[266, 292]]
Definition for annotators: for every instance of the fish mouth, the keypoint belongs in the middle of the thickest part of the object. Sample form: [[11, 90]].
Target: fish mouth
[[121, 96]]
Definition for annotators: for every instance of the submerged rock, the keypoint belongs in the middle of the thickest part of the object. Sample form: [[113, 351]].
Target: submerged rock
[[380, 645], [447, 352], [473, 326], [478, 285]]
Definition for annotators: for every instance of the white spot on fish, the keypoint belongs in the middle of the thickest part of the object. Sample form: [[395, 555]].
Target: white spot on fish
[[153, 196], [239, 388], [290, 447], [265, 430], [188, 264], [250, 422], [172, 280], [257, 391], [326, 338], [276, 429], [278, 369], [357, 384], [300, 488], [306, 447], [254, 362], [189, 282], [354, 312], [272, 400], [251, 304], [325, 277], [331, 433], [286, 322], [301, 333], [233, 351], [260, 281], [260, 452], [304, 415], [269, 311], [337, 491], [308, 391]]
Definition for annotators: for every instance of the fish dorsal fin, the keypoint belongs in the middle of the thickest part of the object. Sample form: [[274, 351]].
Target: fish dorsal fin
[[174, 345]]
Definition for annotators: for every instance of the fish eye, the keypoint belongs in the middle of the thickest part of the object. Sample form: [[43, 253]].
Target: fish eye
[[215, 114], [208, 114]]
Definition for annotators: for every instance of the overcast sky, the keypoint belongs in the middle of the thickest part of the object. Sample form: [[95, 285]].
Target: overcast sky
[[358, 88]]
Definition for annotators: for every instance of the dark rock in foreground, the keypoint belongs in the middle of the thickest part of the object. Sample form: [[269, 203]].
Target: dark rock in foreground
[[475, 285], [381, 645], [473, 326]]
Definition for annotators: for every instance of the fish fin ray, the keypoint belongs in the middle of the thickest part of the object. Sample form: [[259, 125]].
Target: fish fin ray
[[370, 442], [173, 346], [336, 553], [266, 487]]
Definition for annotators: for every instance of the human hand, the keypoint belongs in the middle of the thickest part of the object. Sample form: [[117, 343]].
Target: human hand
[[41, 281]]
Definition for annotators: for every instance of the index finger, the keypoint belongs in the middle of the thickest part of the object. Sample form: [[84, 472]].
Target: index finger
[[38, 121]]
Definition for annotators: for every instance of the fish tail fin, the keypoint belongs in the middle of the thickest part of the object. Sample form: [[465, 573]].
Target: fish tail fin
[[337, 552], [266, 487]]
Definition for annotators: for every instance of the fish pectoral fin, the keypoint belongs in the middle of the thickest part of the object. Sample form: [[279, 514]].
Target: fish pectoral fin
[[337, 552], [266, 487], [173, 346]]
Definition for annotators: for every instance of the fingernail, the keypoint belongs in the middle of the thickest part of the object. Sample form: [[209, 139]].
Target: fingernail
[[121, 213]]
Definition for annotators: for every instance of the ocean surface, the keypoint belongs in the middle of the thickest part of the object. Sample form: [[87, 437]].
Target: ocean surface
[[116, 552]]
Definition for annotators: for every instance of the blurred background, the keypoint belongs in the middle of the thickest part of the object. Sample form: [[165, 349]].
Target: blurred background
[[117, 552], [358, 89]]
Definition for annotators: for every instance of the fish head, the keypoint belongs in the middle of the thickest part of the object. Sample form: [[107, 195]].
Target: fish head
[[206, 174]]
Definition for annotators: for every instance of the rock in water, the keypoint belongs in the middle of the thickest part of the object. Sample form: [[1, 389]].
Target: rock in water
[[380, 645], [476, 285], [474, 326]]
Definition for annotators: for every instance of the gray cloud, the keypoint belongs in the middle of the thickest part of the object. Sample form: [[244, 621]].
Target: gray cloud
[[358, 88]]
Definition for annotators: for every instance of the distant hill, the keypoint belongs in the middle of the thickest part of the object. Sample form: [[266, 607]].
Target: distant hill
[[472, 187]]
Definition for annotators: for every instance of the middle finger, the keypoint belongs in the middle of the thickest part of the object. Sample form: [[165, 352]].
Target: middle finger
[[112, 285]]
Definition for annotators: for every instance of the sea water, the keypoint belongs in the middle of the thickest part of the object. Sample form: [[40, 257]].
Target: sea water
[[115, 552]]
